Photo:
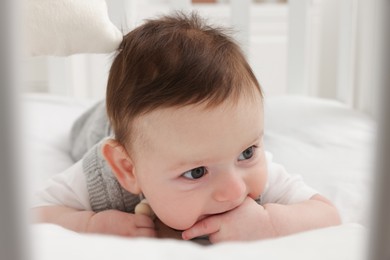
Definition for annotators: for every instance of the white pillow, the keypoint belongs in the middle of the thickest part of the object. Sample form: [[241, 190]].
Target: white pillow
[[65, 27]]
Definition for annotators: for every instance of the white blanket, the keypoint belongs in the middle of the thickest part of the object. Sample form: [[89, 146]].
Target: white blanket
[[327, 143], [345, 242]]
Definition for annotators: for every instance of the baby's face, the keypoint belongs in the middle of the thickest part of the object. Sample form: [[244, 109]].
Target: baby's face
[[192, 162]]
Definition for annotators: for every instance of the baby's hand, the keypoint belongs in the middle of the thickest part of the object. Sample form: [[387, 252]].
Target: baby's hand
[[249, 221], [121, 223]]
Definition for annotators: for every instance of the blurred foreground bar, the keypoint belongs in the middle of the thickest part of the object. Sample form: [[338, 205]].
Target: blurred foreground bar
[[379, 247], [12, 246]]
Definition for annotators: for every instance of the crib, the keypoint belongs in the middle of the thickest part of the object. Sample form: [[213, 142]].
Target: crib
[[317, 67]]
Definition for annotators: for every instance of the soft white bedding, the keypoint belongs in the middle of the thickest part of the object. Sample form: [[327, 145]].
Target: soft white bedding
[[345, 242], [327, 143]]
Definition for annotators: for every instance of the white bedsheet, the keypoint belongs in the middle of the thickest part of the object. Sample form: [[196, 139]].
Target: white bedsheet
[[345, 242], [330, 145]]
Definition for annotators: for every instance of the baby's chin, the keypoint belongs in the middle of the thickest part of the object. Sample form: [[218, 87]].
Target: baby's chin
[[179, 224]]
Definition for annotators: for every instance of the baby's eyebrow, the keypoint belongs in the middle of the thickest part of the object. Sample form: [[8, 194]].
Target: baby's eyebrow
[[192, 164], [187, 165], [257, 138]]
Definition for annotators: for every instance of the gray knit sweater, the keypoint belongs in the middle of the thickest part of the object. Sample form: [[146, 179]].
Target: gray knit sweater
[[104, 190]]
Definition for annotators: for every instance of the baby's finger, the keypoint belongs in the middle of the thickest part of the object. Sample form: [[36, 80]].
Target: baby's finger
[[206, 226], [143, 221], [146, 232]]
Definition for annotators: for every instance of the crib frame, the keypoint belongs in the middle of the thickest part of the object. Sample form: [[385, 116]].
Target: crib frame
[[329, 50]]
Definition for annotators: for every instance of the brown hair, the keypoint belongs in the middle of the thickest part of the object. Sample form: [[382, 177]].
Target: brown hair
[[174, 60]]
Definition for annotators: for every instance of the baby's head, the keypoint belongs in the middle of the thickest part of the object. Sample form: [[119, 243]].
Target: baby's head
[[187, 114]]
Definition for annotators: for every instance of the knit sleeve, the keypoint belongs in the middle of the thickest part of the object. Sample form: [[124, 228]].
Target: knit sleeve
[[104, 190]]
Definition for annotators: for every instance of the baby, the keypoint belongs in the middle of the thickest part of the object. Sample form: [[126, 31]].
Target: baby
[[187, 118]]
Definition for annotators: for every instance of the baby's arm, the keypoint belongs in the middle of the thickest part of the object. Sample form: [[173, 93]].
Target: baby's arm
[[105, 222], [251, 221], [317, 212], [64, 201]]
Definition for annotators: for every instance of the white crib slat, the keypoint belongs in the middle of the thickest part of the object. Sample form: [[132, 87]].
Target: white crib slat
[[367, 56], [181, 4], [76, 75], [131, 9], [240, 20], [346, 52], [297, 46], [68, 76], [59, 75], [116, 12]]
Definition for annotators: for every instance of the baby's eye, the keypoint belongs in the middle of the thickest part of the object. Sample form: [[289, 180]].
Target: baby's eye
[[195, 173], [247, 154]]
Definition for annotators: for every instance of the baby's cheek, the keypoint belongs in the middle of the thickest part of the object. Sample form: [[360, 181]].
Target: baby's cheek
[[175, 217]]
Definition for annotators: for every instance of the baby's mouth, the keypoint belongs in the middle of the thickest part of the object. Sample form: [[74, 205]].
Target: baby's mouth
[[200, 218], [203, 217], [216, 213], [213, 214]]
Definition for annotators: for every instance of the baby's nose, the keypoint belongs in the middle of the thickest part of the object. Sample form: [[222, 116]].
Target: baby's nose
[[230, 187]]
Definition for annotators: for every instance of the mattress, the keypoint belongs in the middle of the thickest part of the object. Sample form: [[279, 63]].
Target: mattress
[[330, 145]]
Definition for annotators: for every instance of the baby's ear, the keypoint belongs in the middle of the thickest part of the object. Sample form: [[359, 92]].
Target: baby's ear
[[121, 165]]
